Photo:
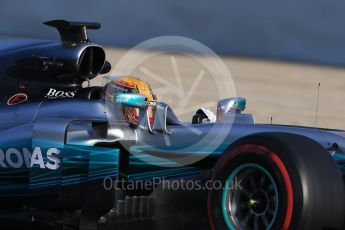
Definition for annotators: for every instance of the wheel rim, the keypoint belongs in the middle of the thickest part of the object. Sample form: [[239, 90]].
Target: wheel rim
[[250, 198]]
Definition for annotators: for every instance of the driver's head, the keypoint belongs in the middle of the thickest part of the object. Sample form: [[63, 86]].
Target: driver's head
[[133, 85]]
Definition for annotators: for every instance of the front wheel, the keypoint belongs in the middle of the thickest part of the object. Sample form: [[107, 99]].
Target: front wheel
[[277, 181]]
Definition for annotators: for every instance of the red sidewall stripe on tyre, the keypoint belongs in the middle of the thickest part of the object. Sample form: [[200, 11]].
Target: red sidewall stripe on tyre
[[251, 148]]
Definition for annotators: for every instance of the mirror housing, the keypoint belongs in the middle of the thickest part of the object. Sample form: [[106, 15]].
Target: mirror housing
[[234, 105]]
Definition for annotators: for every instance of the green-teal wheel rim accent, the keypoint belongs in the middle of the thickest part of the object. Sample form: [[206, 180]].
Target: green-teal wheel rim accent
[[227, 216]]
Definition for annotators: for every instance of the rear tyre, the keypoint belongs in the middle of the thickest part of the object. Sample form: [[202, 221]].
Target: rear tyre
[[277, 181]]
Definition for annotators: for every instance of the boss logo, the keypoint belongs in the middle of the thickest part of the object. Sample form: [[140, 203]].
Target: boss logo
[[55, 94]]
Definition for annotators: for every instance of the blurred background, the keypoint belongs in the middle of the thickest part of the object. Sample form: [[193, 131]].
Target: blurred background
[[277, 51]]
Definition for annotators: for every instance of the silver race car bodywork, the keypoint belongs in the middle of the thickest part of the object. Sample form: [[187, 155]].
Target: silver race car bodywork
[[62, 143]]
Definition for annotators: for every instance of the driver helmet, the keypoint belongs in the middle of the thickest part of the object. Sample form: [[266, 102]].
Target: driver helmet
[[131, 84]]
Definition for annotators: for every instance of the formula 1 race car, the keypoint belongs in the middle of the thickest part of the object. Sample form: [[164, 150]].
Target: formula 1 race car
[[68, 157]]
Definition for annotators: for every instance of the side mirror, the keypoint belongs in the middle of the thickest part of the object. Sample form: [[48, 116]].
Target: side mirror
[[230, 105], [131, 100]]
